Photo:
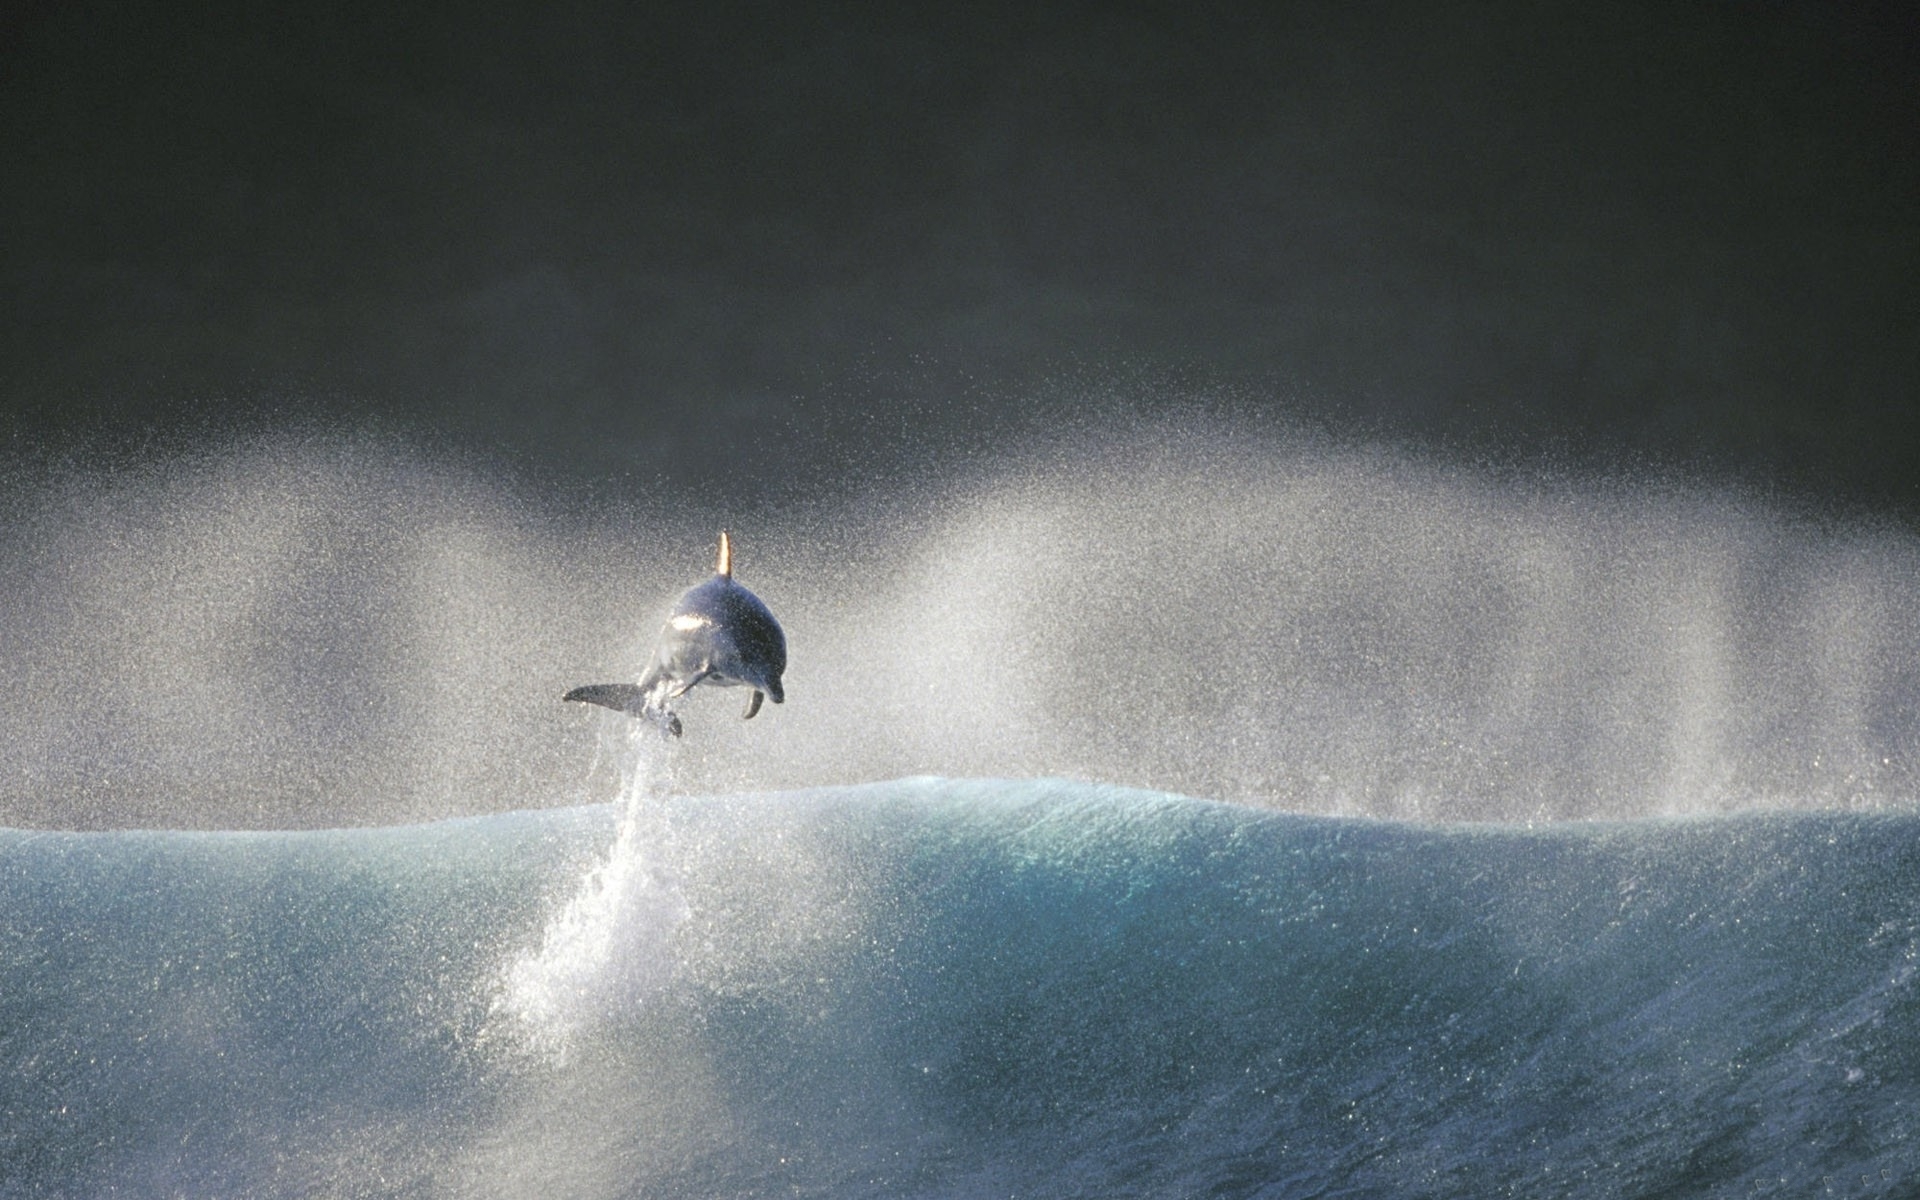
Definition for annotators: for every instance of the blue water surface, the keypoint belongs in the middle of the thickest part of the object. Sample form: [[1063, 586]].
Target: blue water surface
[[957, 988]]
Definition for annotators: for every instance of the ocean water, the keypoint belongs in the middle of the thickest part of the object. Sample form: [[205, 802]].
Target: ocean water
[[941, 987], [1178, 812]]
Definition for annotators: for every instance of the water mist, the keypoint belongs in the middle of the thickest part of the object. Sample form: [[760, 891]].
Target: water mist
[[340, 631]]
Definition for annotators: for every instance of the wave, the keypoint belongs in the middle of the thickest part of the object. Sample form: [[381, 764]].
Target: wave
[[963, 987]]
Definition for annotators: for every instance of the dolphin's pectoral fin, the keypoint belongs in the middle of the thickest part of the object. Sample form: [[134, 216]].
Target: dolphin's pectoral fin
[[683, 686], [658, 715], [621, 697], [753, 705]]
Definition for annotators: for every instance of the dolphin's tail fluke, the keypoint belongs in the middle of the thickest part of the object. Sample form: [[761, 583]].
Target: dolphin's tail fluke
[[626, 698], [724, 568], [621, 697]]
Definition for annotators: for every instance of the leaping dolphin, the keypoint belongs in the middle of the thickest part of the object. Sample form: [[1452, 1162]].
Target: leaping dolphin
[[718, 632]]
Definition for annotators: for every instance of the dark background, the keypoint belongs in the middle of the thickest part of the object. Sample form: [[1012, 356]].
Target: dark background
[[784, 245]]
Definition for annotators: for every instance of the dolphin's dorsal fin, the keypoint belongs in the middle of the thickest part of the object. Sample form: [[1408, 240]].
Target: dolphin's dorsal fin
[[725, 566]]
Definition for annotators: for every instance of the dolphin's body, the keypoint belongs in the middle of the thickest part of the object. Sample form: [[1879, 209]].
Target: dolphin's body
[[718, 632]]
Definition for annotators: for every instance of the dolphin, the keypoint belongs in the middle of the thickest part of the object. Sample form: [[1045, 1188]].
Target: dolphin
[[718, 632]]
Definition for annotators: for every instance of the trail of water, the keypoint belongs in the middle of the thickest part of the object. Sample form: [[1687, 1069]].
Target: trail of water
[[608, 946]]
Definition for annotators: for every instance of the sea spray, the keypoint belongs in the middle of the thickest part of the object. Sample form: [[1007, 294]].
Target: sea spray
[[1304, 626], [607, 947]]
